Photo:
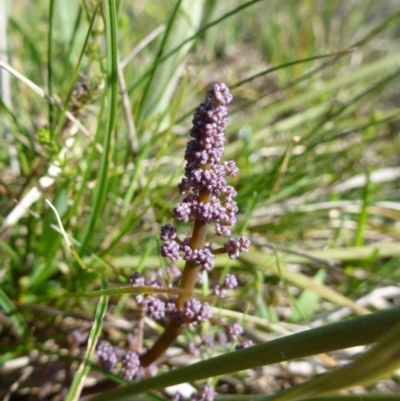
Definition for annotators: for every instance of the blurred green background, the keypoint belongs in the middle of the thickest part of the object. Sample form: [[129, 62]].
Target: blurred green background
[[313, 129]]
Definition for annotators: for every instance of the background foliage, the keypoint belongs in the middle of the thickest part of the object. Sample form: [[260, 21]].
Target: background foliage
[[313, 128]]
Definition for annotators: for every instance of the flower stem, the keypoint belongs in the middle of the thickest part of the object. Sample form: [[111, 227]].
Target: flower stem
[[188, 281]]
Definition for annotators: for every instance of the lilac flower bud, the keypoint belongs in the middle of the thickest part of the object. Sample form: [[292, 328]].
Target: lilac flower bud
[[231, 208], [221, 93], [244, 244], [170, 250], [184, 187], [230, 168], [156, 309], [106, 353], [204, 211], [221, 229], [234, 330], [234, 247], [168, 232], [182, 212], [196, 311], [229, 192], [205, 258], [230, 281], [170, 305], [205, 313], [130, 365], [219, 291], [136, 280], [192, 309], [189, 253]]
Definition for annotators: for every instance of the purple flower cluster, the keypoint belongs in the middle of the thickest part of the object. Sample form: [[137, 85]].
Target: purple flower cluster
[[229, 283], [130, 365], [208, 197], [207, 200], [106, 353], [128, 361], [156, 308]]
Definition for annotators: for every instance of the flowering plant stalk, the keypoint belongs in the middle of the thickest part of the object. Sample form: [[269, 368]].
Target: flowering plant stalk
[[208, 200]]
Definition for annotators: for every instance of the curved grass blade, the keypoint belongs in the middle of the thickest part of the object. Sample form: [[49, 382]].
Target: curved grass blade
[[358, 331], [129, 290], [374, 364]]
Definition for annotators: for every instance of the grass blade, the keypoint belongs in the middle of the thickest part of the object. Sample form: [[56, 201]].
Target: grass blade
[[358, 331], [84, 368], [112, 99]]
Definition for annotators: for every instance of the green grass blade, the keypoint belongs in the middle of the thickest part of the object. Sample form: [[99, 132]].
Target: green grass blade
[[379, 361], [50, 65], [112, 99], [84, 368], [358, 331]]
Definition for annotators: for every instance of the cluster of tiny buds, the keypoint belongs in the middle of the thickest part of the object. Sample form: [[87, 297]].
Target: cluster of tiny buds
[[194, 311], [110, 356], [205, 173], [230, 282], [207, 200], [129, 363], [173, 248]]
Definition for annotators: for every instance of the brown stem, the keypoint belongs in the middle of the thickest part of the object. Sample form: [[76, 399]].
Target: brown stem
[[188, 281], [161, 345]]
